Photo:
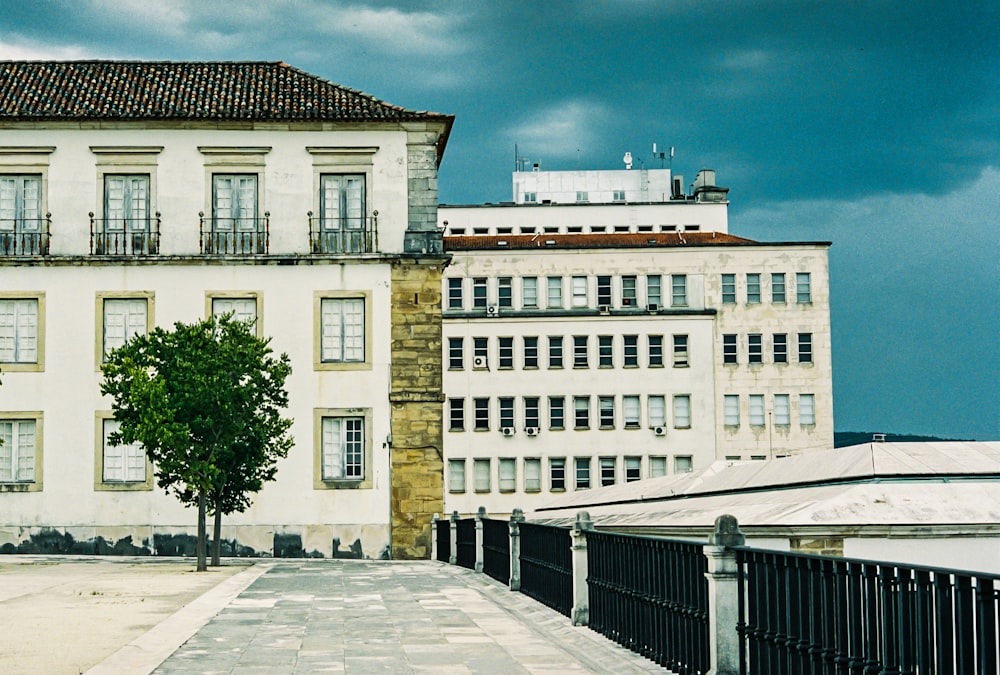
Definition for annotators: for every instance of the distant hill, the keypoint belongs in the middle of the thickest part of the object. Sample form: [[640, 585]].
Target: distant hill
[[845, 438]]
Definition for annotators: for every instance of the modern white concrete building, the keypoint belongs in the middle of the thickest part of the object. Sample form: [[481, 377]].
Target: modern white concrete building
[[138, 194], [592, 344]]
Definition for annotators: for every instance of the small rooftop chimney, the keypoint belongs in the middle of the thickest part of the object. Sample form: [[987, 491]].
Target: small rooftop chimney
[[878, 438]]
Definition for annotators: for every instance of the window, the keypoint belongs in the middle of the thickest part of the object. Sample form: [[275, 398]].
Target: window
[[657, 467], [20, 324], [342, 214], [530, 352], [22, 227], [508, 474], [630, 409], [481, 475], [633, 469], [529, 292], [241, 309], [618, 195], [731, 410], [680, 351], [782, 411], [729, 348], [554, 299], [18, 451], [456, 414], [605, 351], [344, 449], [581, 357], [126, 225], [121, 463], [753, 289], [657, 411], [628, 292], [606, 411], [579, 291], [342, 330], [780, 348], [803, 287], [557, 412], [557, 474], [655, 351], [532, 475], [456, 299], [505, 292], [531, 412], [682, 412], [582, 196], [456, 475], [631, 345], [530, 197], [481, 414], [683, 464], [608, 470], [581, 412], [236, 229], [678, 290], [805, 347], [778, 287], [479, 293], [653, 291], [456, 353], [506, 354], [124, 318], [582, 470], [604, 291], [807, 409], [756, 410], [506, 412], [480, 353], [728, 289], [754, 348], [555, 351]]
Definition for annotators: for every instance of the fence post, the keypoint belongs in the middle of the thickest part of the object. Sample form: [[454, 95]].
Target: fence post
[[581, 593], [479, 538], [516, 518], [723, 596], [434, 536], [453, 552]]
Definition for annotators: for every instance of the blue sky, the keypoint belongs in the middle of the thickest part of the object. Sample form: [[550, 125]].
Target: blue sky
[[874, 125]]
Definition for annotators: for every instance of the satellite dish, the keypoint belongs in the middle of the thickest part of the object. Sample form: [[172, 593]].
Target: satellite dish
[[628, 160]]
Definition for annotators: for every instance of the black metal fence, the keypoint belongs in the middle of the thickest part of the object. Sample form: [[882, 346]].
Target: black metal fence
[[234, 236], [496, 549], [465, 543], [547, 565], [131, 236], [443, 535], [25, 236], [651, 596], [343, 235], [811, 614]]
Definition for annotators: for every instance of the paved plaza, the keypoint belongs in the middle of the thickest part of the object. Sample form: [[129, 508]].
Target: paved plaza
[[328, 616]]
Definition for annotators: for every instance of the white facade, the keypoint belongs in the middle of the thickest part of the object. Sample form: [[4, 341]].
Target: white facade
[[598, 187]]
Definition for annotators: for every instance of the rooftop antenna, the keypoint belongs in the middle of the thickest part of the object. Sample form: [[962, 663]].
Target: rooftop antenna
[[663, 155]]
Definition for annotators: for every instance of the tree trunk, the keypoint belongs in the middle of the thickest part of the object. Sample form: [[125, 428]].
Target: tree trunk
[[200, 546], [216, 538]]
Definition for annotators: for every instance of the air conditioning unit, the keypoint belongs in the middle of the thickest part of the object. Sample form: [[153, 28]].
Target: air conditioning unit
[[492, 310], [604, 309], [507, 431], [531, 431], [653, 307], [659, 431], [479, 362]]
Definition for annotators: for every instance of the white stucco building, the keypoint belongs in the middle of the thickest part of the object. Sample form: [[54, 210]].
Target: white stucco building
[[135, 195], [588, 344]]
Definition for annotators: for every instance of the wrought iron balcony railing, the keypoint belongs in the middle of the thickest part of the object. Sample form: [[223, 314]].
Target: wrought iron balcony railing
[[25, 236], [343, 235], [234, 236], [128, 236]]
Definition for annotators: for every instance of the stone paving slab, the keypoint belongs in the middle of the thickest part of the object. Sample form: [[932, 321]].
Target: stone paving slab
[[391, 617]]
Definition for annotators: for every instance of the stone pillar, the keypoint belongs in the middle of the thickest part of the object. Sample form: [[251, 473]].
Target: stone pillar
[[479, 538], [723, 596], [581, 592], [516, 518], [453, 555], [434, 536]]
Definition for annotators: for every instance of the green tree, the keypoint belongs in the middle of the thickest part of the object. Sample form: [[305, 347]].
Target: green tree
[[205, 401]]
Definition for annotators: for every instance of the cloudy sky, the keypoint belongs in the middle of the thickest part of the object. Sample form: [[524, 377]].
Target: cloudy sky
[[871, 124]]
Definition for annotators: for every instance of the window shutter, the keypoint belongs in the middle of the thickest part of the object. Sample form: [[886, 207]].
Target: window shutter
[[331, 330], [333, 456], [26, 450], [8, 202], [6, 451], [8, 331], [114, 325], [27, 331], [114, 202]]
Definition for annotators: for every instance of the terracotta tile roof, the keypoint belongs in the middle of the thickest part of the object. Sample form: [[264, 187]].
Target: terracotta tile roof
[[481, 242], [169, 90]]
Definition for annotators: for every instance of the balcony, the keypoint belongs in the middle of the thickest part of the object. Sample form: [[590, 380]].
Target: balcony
[[127, 237], [234, 236], [25, 236], [343, 235]]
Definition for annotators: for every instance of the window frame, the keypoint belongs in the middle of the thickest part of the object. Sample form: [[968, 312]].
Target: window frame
[[728, 289], [753, 288], [557, 413], [553, 292], [480, 293], [682, 350], [321, 482], [37, 482], [481, 413], [730, 349], [456, 293], [505, 292], [782, 410], [506, 483], [656, 405], [731, 410], [456, 413], [532, 474], [631, 411], [810, 419], [754, 401], [681, 401], [779, 347], [101, 418], [630, 351], [556, 354], [755, 349], [529, 344], [529, 292], [608, 470], [605, 351], [778, 288], [38, 365], [481, 349], [582, 478], [654, 290], [456, 353], [805, 348], [532, 414], [453, 483], [606, 416], [581, 412], [482, 475], [505, 352], [678, 290], [654, 351], [581, 351], [557, 465], [580, 296], [630, 291], [632, 468], [256, 296], [101, 297], [318, 298], [803, 288]]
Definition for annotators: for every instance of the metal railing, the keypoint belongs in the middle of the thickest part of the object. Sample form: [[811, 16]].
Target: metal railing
[[465, 543], [651, 596], [25, 236], [234, 236], [130, 236], [809, 614], [343, 235], [547, 566], [443, 538], [496, 549]]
